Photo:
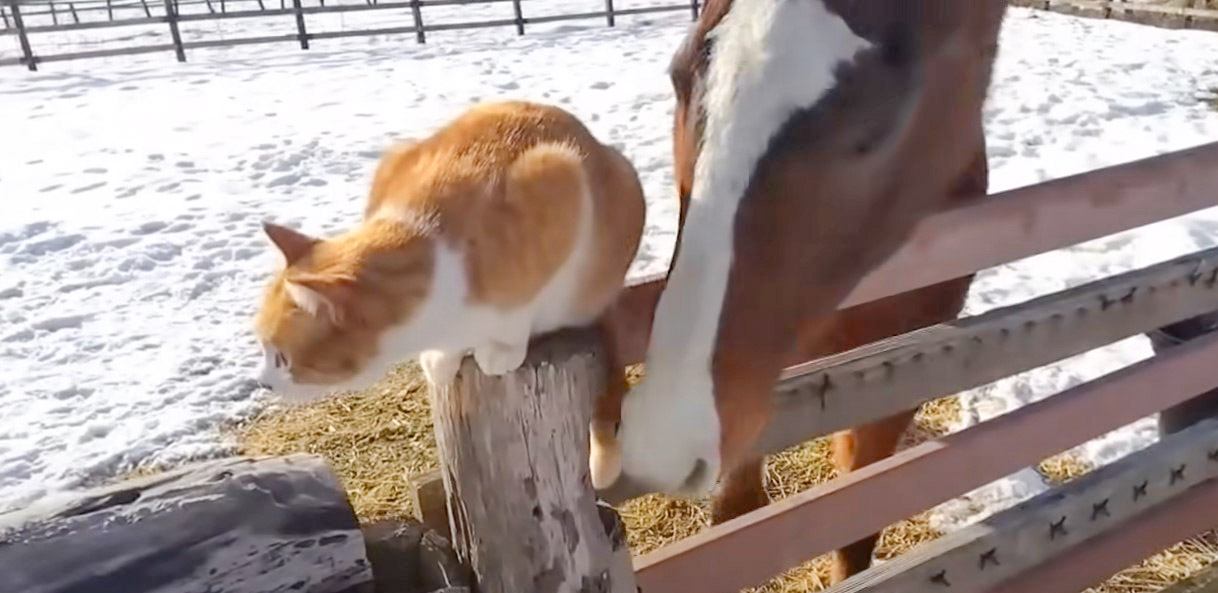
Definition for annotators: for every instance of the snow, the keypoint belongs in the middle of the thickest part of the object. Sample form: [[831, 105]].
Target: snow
[[132, 189]]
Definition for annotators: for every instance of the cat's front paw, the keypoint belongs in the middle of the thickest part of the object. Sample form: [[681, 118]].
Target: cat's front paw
[[497, 358], [440, 367]]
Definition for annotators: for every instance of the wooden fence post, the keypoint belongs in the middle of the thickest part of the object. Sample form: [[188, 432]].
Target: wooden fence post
[[171, 16], [514, 457], [147, 11], [4, 15], [694, 6], [109, 10], [54, 15], [72, 9], [609, 12], [420, 34], [519, 16], [301, 34], [26, 51]]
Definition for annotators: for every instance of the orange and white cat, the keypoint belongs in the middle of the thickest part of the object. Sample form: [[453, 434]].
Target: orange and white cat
[[510, 221]]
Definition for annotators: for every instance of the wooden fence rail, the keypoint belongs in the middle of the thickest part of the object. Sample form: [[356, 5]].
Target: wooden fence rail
[[1172, 17], [941, 469], [877, 380], [979, 557], [298, 11], [514, 448]]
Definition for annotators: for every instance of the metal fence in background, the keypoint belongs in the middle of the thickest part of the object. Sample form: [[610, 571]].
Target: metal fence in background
[[66, 17]]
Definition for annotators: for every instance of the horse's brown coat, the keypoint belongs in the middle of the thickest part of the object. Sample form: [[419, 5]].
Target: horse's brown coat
[[841, 187]]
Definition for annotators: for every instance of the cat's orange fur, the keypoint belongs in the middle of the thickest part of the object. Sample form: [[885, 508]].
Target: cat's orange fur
[[510, 221]]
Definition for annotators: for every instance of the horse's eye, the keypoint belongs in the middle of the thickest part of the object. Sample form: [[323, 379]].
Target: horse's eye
[[280, 360]]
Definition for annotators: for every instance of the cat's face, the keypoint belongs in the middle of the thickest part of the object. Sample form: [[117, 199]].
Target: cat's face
[[322, 316]]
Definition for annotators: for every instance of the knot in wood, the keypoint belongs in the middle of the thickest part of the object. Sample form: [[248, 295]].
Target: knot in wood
[[1140, 490], [1177, 474], [1058, 529], [1100, 509], [989, 557]]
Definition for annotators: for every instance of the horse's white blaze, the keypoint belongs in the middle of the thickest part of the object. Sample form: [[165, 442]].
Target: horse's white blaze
[[770, 59]]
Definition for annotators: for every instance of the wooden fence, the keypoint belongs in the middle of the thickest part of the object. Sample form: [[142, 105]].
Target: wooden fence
[[1094, 526], [513, 491], [1159, 15], [15, 13]]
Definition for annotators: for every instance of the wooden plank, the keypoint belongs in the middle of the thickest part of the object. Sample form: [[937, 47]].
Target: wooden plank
[[876, 381], [519, 12], [978, 557], [1126, 10], [301, 34], [27, 52], [416, 12], [1151, 532], [740, 553], [87, 25], [361, 33], [884, 378], [106, 53], [171, 17], [648, 10], [234, 525], [881, 379], [514, 455], [887, 377], [1004, 228], [242, 41]]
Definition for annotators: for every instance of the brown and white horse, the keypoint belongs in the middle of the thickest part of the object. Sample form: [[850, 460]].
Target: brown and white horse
[[810, 137]]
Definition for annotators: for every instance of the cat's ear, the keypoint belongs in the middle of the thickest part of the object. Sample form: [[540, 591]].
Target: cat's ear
[[294, 245], [323, 293]]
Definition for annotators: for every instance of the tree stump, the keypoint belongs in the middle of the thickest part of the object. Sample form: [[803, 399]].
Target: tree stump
[[514, 457], [234, 525]]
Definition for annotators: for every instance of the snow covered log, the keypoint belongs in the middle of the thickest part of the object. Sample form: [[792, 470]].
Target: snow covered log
[[234, 525], [514, 459]]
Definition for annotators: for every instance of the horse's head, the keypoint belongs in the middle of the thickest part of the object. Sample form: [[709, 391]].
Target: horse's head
[[809, 137]]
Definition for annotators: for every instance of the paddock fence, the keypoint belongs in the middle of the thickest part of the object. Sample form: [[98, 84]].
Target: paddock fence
[[27, 20], [16, 20], [1181, 14], [514, 500], [1081, 532]]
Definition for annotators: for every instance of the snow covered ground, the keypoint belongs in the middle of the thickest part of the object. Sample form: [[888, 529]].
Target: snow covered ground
[[131, 192]]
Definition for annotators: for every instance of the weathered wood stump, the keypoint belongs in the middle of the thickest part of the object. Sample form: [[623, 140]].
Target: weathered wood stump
[[514, 457], [233, 525]]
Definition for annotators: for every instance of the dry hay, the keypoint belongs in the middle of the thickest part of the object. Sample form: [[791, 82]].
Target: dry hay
[[377, 439]]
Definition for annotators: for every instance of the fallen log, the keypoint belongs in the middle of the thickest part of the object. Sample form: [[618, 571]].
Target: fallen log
[[240, 525]]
